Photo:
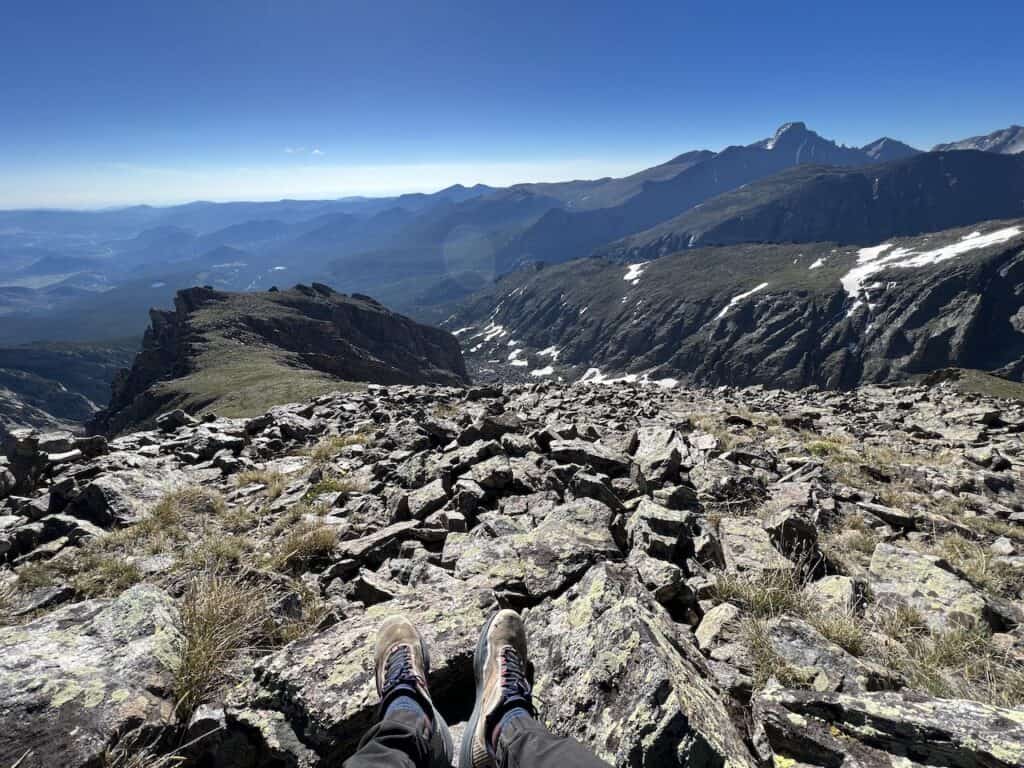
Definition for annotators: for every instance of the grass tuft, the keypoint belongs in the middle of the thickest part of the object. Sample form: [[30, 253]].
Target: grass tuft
[[962, 663], [330, 485], [222, 621], [274, 482], [843, 628], [303, 544], [764, 595], [980, 566]]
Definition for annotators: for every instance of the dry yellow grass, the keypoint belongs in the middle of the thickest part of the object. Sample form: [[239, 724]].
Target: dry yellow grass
[[303, 543], [223, 619], [274, 482]]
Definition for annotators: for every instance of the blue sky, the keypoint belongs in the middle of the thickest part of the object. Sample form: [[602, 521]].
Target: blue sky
[[158, 101]]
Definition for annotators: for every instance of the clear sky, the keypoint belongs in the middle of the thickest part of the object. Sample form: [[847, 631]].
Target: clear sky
[[114, 102]]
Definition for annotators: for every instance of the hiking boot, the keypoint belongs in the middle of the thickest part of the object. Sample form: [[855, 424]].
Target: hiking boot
[[502, 684], [403, 663]]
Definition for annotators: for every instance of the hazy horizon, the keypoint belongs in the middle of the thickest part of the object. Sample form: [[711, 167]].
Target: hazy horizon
[[162, 104]]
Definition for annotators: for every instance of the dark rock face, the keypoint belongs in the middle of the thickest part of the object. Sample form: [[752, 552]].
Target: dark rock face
[[726, 577], [307, 328], [754, 314], [925, 193]]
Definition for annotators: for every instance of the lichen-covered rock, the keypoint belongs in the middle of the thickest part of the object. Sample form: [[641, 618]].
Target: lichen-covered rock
[[615, 674], [942, 597], [528, 567], [125, 496], [658, 454], [823, 663], [72, 681], [840, 594], [881, 730], [720, 625], [747, 547]]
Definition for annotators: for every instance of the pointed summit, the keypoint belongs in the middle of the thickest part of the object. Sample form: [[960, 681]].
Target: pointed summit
[[885, 150]]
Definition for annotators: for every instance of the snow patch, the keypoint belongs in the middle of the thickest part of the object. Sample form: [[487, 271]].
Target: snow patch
[[545, 371], [552, 352], [634, 272], [594, 376], [819, 263], [737, 299], [494, 331], [871, 260]]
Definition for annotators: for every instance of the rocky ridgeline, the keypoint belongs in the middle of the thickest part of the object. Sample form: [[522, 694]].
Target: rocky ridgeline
[[710, 577]]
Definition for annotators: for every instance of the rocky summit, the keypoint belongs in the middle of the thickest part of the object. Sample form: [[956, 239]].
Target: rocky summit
[[240, 353], [710, 577]]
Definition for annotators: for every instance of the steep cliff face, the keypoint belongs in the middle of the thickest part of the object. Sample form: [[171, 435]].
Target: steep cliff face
[[240, 352], [926, 193], [757, 314]]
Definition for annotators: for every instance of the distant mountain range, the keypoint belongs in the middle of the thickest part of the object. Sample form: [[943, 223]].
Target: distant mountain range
[[810, 203], [1008, 141], [563, 234], [84, 276]]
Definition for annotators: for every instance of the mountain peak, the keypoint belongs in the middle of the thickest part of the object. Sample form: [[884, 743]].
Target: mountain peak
[[1006, 141], [887, 149], [787, 132]]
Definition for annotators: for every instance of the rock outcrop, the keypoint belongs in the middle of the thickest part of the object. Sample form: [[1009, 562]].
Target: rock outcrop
[[727, 577], [220, 349]]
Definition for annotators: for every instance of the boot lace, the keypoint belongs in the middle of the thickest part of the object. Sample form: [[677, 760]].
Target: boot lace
[[515, 688], [399, 668]]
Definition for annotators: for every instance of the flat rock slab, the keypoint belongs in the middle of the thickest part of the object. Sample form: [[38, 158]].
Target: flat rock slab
[[613, 673], [888, 729], [73, 681], [748, 548], [547, 559], [942, 597], [593, 455]]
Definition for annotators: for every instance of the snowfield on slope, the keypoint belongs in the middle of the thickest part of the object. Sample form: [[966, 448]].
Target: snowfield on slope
[[871, 261]]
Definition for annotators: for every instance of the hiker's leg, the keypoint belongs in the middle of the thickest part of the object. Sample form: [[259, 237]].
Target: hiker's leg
[[411, 732], [398, 741], [525, 743], [502, 729]]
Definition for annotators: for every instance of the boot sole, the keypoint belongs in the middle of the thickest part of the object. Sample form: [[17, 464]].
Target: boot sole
[[479, 662]]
